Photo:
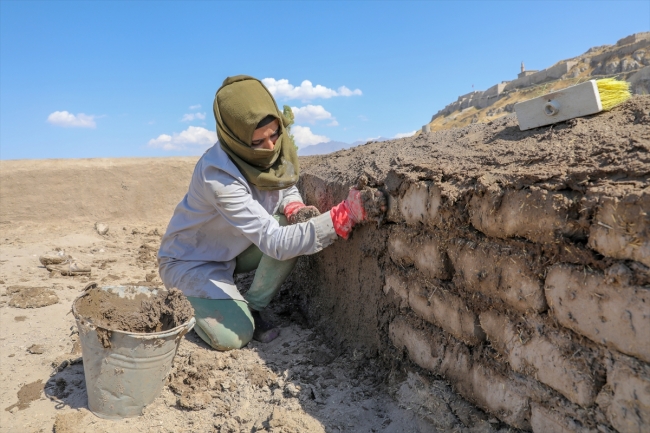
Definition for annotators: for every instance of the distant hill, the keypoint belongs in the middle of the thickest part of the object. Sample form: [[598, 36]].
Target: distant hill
[[323, 148], [628, 59], [333, 146]]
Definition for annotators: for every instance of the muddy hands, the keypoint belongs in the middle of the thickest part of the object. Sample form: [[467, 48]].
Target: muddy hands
[[367, 204], [303, 214]]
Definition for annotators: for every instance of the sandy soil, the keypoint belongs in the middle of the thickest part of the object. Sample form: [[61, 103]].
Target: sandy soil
[[296, 383]]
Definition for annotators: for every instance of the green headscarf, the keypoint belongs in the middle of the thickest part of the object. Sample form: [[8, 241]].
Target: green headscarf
[[239, 105]]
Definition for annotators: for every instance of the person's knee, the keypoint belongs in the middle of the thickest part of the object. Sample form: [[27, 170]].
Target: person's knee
[[222, 338], [225, 324]]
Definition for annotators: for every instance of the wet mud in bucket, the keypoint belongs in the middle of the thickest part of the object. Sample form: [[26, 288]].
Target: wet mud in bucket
[[129, 337]]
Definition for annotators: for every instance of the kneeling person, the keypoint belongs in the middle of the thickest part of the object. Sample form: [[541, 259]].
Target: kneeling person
[[242, 213]]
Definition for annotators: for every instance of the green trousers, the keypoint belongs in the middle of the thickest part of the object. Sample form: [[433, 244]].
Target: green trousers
[[227, 324]]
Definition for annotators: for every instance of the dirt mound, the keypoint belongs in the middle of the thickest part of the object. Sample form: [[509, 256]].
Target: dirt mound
[[136, 311], [125, 189], [604, 149]]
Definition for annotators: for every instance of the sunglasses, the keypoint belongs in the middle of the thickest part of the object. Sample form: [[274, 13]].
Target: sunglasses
[[273, 137]]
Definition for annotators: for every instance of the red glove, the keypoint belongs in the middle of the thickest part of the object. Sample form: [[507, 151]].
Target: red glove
[[292, 208], [348, 213], [297, 212]]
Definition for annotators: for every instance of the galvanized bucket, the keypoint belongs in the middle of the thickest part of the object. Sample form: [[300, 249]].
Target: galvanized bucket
[[122, 379]]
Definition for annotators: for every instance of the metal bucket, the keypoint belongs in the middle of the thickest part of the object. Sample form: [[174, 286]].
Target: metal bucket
[[122, 379]]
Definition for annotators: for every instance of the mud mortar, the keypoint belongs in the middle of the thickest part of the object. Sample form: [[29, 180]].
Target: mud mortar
[[31, 297], [27, 394], [137, 313]]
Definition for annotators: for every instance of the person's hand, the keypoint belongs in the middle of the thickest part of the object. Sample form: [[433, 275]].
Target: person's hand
[[369, 203], [297, 212], [359, 206], [303, 214]]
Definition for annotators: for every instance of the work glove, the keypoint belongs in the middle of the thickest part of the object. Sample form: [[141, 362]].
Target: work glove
[[297, 212], [360, 206]]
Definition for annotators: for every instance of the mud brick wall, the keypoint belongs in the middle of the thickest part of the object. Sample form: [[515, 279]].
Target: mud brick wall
[[515, 266]]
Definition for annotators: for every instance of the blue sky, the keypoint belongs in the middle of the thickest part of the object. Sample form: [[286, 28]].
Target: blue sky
[[126, 78]]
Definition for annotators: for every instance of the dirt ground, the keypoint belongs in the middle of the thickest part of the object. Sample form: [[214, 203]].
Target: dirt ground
[[297, 383]]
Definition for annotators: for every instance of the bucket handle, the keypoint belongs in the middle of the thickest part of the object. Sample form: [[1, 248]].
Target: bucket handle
[[91, 285]]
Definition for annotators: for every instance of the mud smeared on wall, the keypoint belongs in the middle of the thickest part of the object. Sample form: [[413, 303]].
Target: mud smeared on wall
[[515, 265]]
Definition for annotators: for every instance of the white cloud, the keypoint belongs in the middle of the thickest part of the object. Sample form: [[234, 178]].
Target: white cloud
[[333, 123], [311, 113], [304, 137], [69, 120], [195, 107], [405, 134], [306, 91], [191, 116], [344, 91], [194, 137]]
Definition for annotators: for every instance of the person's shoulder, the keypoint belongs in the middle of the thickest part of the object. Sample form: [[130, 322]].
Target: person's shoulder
[[217, 165], [216, 157]]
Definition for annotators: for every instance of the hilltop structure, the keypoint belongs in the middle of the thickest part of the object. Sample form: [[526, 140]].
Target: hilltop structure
[[628, 59]]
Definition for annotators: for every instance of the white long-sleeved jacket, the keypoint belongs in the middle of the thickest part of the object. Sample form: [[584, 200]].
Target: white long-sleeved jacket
[[220, 216]]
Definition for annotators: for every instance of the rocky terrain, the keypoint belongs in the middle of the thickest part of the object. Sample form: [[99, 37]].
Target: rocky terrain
[[628, 59]]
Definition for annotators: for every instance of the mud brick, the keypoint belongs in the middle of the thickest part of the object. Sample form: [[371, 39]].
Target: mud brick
[[431, 260], [490, 390], [621, 228], [505, 277], [420, 203], [449, 312], [424, 253], [540, 358], [425, 349], [315, 192], [544, 420], [613, 314], [626, 397], [399, 285], [534, 214], [456, 362]]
